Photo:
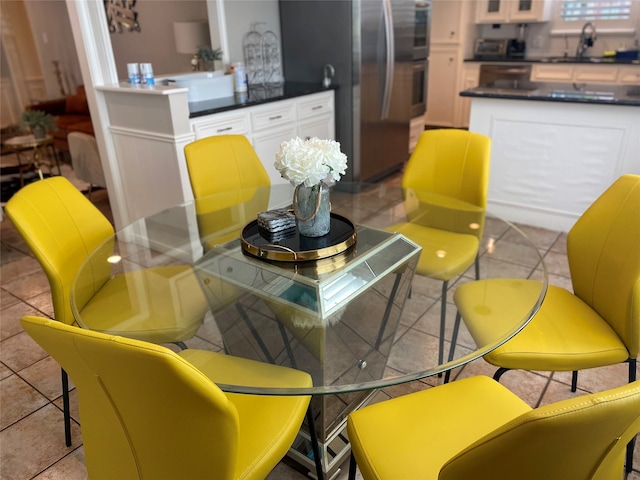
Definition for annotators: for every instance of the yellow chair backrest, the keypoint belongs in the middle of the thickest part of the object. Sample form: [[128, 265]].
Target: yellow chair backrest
[[452, 163], [580, 438], [145, 412], [223, 163], [603, 249], [61, 227], [446, 181], [229, 183]]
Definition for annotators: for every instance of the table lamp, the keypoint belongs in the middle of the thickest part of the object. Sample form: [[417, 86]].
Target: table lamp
[[190, 36]]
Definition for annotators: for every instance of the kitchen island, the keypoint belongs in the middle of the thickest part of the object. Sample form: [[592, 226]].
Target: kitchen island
[[555, 147]]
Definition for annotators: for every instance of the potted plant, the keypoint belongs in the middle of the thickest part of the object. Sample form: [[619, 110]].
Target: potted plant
[[208, 56], [38, 122]]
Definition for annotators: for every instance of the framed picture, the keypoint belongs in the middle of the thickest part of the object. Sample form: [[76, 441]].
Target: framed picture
[[121, 16]]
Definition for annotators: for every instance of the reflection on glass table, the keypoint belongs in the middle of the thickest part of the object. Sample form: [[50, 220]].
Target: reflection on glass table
[[356, 321]]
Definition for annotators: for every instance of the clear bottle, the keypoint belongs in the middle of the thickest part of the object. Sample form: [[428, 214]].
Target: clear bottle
[[146, 72], [239, 77], [133, 69]]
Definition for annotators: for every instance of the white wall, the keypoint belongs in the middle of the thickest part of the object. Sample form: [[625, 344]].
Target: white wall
[[52, 35], [241, 14], [155, 42]]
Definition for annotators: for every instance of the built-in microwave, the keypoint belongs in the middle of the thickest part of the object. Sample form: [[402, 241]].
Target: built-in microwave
[[422, 24]]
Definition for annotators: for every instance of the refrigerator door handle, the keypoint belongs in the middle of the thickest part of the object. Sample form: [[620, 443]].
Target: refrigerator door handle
[[388, 81]]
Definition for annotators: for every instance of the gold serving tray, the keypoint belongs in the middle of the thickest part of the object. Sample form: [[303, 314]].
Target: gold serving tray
[[295, 248]]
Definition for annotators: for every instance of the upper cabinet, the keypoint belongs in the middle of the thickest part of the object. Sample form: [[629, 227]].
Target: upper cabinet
[[512, 11]]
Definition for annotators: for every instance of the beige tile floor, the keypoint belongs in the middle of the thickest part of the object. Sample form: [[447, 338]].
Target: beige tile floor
[[31, 423]]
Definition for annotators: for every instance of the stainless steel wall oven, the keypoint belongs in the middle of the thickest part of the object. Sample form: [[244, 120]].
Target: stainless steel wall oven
[[419, 90], [422, 31]]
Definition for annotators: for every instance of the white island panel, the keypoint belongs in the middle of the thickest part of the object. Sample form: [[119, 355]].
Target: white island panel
[[551, 160]]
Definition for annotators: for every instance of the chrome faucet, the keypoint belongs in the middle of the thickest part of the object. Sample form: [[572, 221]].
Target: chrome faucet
[[586, 40]]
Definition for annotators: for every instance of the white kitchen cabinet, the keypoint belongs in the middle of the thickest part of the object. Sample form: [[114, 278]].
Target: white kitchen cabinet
[[629, 75], [268, 125], [446, 28], [512, 11], [452, 36], [443, 93]]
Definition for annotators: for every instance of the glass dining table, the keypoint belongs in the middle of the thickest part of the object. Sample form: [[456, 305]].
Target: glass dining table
[[347, 308]]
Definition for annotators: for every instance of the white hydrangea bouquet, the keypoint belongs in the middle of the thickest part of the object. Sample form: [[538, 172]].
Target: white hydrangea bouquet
[[311, 161], [311, 166]]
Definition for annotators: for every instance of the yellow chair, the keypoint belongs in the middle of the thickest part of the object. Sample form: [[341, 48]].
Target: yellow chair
[[445, 184], [62, 228], [229, 183], [477, 429], [147, 412], [596, 325]]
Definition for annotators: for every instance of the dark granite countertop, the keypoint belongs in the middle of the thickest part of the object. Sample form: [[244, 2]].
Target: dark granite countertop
[[561, 60], [255, 96], [626, 95]]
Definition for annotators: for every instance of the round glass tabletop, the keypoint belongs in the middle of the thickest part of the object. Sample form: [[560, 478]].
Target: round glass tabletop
[[366, 318]]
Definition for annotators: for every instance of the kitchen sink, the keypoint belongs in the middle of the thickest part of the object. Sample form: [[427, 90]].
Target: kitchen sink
[[577, 60]]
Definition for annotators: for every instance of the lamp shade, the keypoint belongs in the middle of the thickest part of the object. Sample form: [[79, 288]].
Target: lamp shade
[[191, 35]]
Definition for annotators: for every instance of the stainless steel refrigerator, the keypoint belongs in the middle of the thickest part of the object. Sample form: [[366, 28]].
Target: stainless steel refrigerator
[[370, 45]]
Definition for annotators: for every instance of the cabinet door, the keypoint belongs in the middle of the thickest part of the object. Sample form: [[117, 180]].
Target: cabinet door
[[322, 127], [629, 75], [442, 91], [595, 74], [552, 73], [491, 11], [445, 22], [267, 143], [529, 10]]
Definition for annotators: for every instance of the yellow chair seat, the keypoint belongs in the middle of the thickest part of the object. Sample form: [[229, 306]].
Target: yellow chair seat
[[565, 334], [444, 254], [413, 436], [158, 305], [477, 429]]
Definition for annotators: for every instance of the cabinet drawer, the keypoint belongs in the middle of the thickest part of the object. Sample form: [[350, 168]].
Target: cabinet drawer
[[550, 73], [629, 75], [317, 105], [596, 74], [273, 116], [227, 125]]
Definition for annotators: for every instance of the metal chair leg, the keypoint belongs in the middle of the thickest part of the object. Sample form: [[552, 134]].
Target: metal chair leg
[[574, 380], [352, 467], [314, 443], [628, 464], [478, 266], [66, 409], [452, 348], [443, 314], [499, 372]]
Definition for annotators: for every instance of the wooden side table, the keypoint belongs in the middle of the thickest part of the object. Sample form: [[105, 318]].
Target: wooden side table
[[25, 143]]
